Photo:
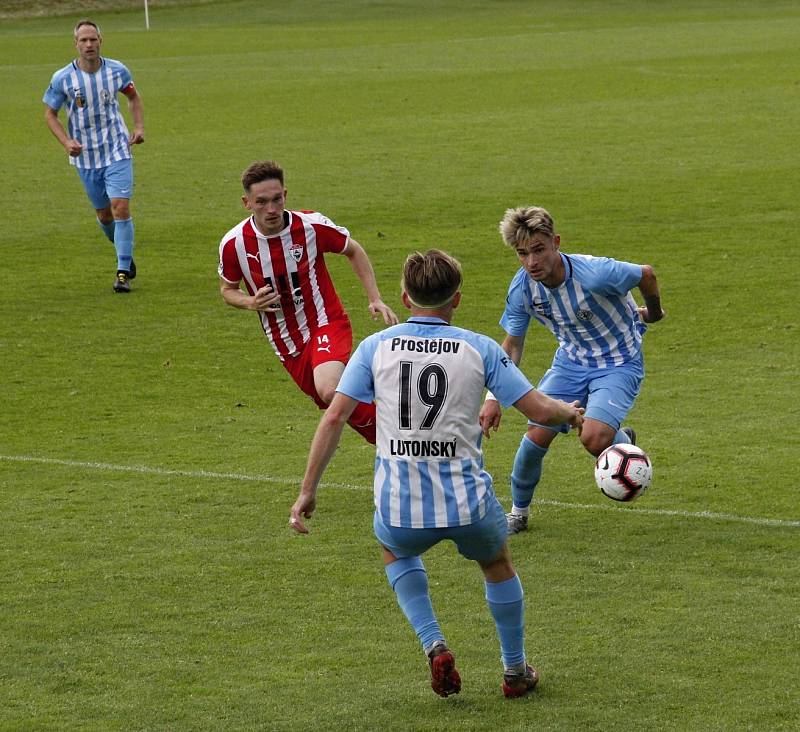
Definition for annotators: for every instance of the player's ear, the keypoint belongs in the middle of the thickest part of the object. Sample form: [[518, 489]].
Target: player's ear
[[556, 240], [246, 202], [406, 301], [456, 299]]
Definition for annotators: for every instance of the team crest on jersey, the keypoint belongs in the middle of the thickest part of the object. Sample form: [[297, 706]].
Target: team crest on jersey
[[584, 314], [296, 252], [105, 96], [80, 102]]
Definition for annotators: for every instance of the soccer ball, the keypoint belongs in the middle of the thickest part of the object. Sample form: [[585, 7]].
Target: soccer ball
[[623, 472]]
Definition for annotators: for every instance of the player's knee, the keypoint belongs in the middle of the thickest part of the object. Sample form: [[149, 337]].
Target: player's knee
[[120, 208], [500, 567], [595, 441], [326, 393]]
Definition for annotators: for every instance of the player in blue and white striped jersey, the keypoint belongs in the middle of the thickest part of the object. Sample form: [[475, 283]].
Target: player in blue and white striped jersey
[[586, 302], [97, 139], [427, 379]]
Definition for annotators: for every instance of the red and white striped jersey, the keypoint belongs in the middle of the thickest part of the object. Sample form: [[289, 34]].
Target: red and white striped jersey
[[292, 263]]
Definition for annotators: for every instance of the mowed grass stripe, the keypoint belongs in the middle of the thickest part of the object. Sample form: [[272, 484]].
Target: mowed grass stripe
[[149, 470]]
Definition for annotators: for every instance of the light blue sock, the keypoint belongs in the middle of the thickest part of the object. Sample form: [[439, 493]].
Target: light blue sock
[[108, 229], [123, 242], [526, 472], [621, 437], [410, 582], [507, 605]]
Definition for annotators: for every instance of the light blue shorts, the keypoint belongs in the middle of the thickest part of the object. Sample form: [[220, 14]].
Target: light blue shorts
[[103, 184], [480, 541], [607, 394]]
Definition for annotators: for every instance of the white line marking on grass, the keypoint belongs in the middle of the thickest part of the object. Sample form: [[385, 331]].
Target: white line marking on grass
[[147, 470], [672, 512]]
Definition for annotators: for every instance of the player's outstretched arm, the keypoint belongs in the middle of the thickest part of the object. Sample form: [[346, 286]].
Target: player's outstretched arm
[[324, 444], [361, 265], [491, 413], [546, 410], [648, 286]]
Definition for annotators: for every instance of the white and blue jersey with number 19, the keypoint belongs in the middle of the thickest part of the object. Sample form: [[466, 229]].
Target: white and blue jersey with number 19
[[592, 312], [427, 380], [93, 114]]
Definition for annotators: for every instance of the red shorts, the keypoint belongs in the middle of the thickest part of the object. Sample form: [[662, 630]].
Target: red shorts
[[331, 342]]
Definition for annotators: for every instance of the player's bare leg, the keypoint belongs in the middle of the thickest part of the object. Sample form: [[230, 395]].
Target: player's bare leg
[[596, 436], [326, 379]]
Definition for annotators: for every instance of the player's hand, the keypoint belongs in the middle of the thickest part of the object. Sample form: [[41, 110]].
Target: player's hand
[[74, 148], [644, 314], [490, 416], [137, 137], [378, 307], [303, 508], [575, 419], [266, 299]]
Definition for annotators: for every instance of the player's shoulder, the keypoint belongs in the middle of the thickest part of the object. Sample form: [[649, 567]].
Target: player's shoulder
[[589, 268], [319, 221], [62, 72], [115, 65], [594, 272], [234, 232], [519, 285], [312, 217]]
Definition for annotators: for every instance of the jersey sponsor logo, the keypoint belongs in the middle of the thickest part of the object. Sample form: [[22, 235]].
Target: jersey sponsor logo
[[423, 448], [425, 345], [542, 307], [256, 256], [614, 404]]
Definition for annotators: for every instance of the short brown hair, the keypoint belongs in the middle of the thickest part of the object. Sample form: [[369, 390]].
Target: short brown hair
[[86, 21], [520, 224], [432, 279], [262, 170]]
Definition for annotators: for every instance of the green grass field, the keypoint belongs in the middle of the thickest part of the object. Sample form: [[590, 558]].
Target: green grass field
[[151, 445]]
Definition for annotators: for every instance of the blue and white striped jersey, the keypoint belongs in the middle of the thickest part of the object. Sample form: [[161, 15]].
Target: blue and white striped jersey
[[93, 114], [592, 312], [427, 380]]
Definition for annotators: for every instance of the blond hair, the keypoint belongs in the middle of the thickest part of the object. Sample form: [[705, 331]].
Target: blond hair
[[431, 280], [519, 225]]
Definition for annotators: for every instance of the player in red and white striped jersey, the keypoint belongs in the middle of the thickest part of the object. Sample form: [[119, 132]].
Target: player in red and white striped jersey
[[279, 255]]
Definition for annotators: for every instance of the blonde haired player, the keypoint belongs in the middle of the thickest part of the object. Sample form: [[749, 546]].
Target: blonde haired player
[[586, 302]]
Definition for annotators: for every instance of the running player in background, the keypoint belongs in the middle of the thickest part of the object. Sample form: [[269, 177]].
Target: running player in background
[[278, 254], [97, 139], [427, 378], [586, 302]]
